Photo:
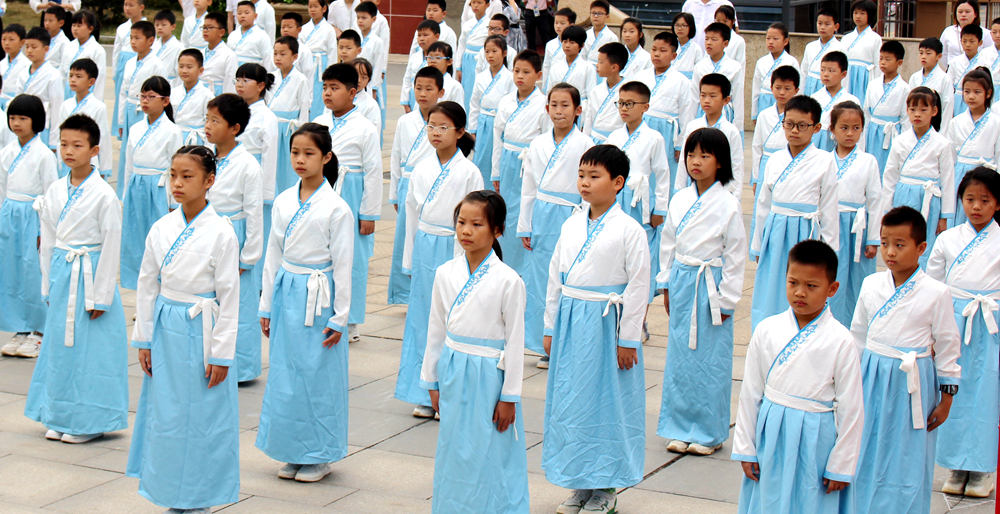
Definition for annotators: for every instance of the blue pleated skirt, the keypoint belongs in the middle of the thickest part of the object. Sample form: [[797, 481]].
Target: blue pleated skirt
[[824, 141], [857, 80], [429, 252], [131, 118], [666, 129], [510, 190], [781, 233], [547, 222], [483, 154], [145, 203], [304, 416], [81, 389], [20, 273], [813, 85], [652, 235], [119, 78], [960, 106], [285, 176], [874, 139], [186, 444], [316, 107], [850, 274], [468, 76], [364, 247], [399, 282], [765, 100], [248, 336], [913, 196]]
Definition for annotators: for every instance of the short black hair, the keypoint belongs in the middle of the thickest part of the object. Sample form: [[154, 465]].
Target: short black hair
[[806, 105], [440, 3], [719, 28], [669, 38], [570, 14], [367, 7], [972, 30], [502, 19], [39, 34], [430, 72], [166, 15], [30, 106], [903, 215], [445, 49], [531, 57], [87, 66], [720, 80], [575, 34], [352, 35], [828, 12], [194, 53], [83, 123], [290, 42], [895, 48], [430, 25], [600, 3], [996, 21], [233, 108], [636, 87], [838, 57], [985, 176], [616, 53], [813, 252], [609, 157], [147, 28], [247, 3], [15, 28], [219, 18], [256, 73], [786, 73], [294, 16], [343, 73], [869, 7], [689, 19], [934, 44], [713, 141], [727, 11]]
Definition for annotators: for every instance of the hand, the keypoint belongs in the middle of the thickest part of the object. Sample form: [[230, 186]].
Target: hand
[[406, 109], [666, 301], [265, 327], [526, 241], [754, 187], [367, 227], [752, 470], [504, 415], [677, 155], [655, 220], [725, 317], [833, 485], [333, 337], [496, 186], [375, 94], [395, 206], [119, 133], [942, 225], [940, 413], [435, 400], [547, 343], [871, 251], [38, 243], [94, 314], [146, 362], [458, 75], [627, 357], [216, 374]]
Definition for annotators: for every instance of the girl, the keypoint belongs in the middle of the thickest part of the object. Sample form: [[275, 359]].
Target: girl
[[439, 56], [473, 368], [27, 169], [920, 171], [689, 53], [974, 134], [84, 25], [474, 33], [702, 254], [859, 187], [964, 12], [491, 85], [863, 46], [321, 38], [436, 185], [964, 258], [777, 48], [363, 99], [185, 448], [307, 278], [290, 103], [151, 144], [635, 41]]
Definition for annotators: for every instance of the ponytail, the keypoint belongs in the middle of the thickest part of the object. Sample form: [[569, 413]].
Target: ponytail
[[160, 86], [257, 73], [494, 210], [204, 156], [320, 136], [456, 114]]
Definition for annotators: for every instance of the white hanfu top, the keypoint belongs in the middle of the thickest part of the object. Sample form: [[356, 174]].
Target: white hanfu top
[[266, 19], [252, 46], [552, 168], [767, 134], [975, 142], [191, 109], [647, 158], [474, 34], [12, 71], [47, 84], [168, 53], [369, 108], [92, 50], [734, 72], [595, 41], [487, 93], [638, 61], [929, 158], [884, 102], [98, 112], [827, 103], [581, 74], [517, 124], [859, 183], [191, 32], [447, 36], [26, 172], [453, 90], [261, 138], [553, 51], [732, 133], [409, 147], [136, 73], [376, 50], [966, 261], [600, 115], [237, 193], [356, 145], [56, 48], [672, 95], [688, 55], [762, 76], [220, 68], [151, 147], [812, 59], [321, 40], [863, 50], [939, 81], [290, 93]]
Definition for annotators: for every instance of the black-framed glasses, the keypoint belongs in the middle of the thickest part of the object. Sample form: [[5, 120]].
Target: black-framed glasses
[[801, 126], [628, 105]]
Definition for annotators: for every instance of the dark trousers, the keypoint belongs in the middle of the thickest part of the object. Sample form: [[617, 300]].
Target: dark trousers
[[542, 23]]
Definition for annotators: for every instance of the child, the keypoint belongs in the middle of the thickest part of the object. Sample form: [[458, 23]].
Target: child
[[960, 65], [964, 259], [713, 98], [380, 26], [697, 242], [521, 118], [797, 201], [995, 65], [248, 41], [438, 183], [428, 32], [600, 117], [193, 30], [41, 79], [410, 146], [79, 389], [167, 48], [121, 52], [573, 68], [963, 14], [905, 324], [716, 61], [82, 74], [373, 47], [439, 56], [265, 19], [863, 47], [886, 103], [689, 53], [777, 47], [355, 143], [220, 61], [12, 40], [290, 102], [364, 102], [768, 134], [491, 86], [672, 105], [307, 384], [191, 98], [458, 368], [548, 198], [563, 19], [435, 11], [600, 264], [859, 189], [499, 26], [920, 171], [597, 37], [932, 76], [142, 66], [975, 134], [291, 26], [56, 22], [321, 39], [185, 453], [638, 57], [812, 59], [833, 72], [816, 395], [348, 46], [27, 169], [737, 47], [85, 25], [151, 143], [474, 33]]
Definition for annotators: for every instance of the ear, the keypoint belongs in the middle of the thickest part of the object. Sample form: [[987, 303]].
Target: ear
[[94, 150], [921, 248], [833, 289]]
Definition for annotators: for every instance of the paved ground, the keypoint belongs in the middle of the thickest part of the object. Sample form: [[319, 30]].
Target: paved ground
[[390, 466]]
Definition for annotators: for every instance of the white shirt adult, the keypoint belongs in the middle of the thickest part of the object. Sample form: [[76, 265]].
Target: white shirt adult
[[704, 15]]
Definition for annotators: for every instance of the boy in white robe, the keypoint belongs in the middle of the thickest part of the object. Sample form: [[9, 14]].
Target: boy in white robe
[[810, 69], [220, 60], [499, 26], [776, 56], [41, 79], [248, 41], [492, 85], [885, 103], [82, 75], [715, 94], [800, 364], [571, 66], [562, 19], [321, 39], [191, 30], [289, 99], [121, 52], [600, 118], [13, 63], [933, 76], [375, 42], [86, 45], [737, 47], [428, 33], [833, 73], [291, 25], [975, 134], [768, 134], [905, 327], [167, 48], [716, 61], [436, 12], [474, 33], [266, 19], [970, 59], [55, 19], [598, 34], [190, 98], [863, 46], [136, 71]]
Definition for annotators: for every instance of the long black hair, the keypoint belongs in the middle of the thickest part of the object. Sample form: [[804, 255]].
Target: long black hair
[[159, 85], [927, 96], [494, 209], [320, 136], [87, 17], [456, 114], [256, 73], [985, 176]]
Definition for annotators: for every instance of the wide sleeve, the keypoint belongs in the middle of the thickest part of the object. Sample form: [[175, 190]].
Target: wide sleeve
[[104, 154], [688, 110], [937, 262], [305, 101], [408, 75], [668, 243], [475, 106], [554, 288], [533, 169], [371, 197], [102, 74], [735, 186], [589, 113], [253, 206], [122, 104], [48, 171], [890, 176], [460, 51], [227, 293], [859, 324], [829, 212], [47, 231], [762, 210], [342, 256], [129, 161], [499, 123], [106, 275], [947, 106], [756, 152], [807, 58], [146, 292], [947, 166], [514, 298], [873, 199], [734, 258], [229, 78], [755, 88], [660, 168], [272, 261], [636, 290], [436, 332], [850, 413], [396, 164], [55, 95], [738, 102], [947, 343], [751, 395], [269, 160], [412, 206]]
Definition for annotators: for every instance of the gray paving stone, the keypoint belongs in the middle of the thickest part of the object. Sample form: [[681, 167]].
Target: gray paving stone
[[114, 461], [22, 483], [261, 505], [379, 396], [38, 447], [370, 502], [376, 470], [641, 501], [114, 497], [698, 477], [368, 427]]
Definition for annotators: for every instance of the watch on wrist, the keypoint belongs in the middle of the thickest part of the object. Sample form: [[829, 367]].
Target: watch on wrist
[[949, 389]]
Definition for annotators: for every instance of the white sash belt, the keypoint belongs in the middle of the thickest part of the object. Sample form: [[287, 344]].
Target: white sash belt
[[193, 134], [318, 295], [794, 402], [545, 197], [488, 112], [592, 296], [479, 351], [858, 227], [811, 216], [434, 230], [931, 189], [293, 124], [713, 293], [891, 129], [987, 304], [239, 215], [972, 161], [74, 255], [207, 307], [21, 197], [521, 152], [674, 131], [639, 184], [912, 370]]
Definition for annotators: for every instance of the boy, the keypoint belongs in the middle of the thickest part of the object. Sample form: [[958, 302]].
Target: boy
[[520, 118], [289, 99], [265, 18], [193, 31], [375, 49], [191, 97], [41, 79], [716, 61], [970, 59], [348, 46], [248, 41], [54, 20], [672, 105], [474, 34], [166, 47], [79, 389], [714, 95], [436, 11], [121, 52], [931, 75], [137, 69], [82, 76], [553, 49], [801, 362], [737, 47], [827, 26], [799, 186], [995, 65], [833, 72], [220, 61], [903, 309], [768, 134], [428, 32], [291, 25], [885, 103], [599, 116], [572, 67], [499, 26], [13, 64], [355, 143], [598, 245], [597, 36]]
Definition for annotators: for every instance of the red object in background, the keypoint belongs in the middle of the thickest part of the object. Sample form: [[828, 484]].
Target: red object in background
[[403, 16]]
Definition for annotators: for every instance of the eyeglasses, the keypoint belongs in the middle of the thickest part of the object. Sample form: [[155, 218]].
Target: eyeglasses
[[681, 25], [149, 98], [496, 30], [801, 126], [431, 129], [245, 81], [435, 58], [209, 27], [598, 14], [628, 105]]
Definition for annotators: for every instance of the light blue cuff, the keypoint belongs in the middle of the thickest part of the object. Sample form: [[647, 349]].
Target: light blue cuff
[[523, 234], [549, 331], [98, 306], [365, 217], [626, 343], [338, 328], [838, 478], [430, 386], [510, 398], [662, 286], [494, 178], [727, 312], [246, 266], [142, 345], [947, 216], [873, 242], [408, 272], [393, 202], [754, 254], [744, 458], [45, 298], [264, 314], [947, 380], [213, 361], [659, 212], [105, 173]]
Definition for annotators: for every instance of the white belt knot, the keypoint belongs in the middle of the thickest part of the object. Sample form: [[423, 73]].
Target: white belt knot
[[640, 193], [986, 164], [318, 294], [860, 222], [207, 307], [978, 303], [713, 294], [74, 255], [909, 366], [931, 189], [891, 129], [614, 299]]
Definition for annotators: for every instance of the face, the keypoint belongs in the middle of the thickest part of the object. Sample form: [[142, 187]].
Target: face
[[560, 23], [153, 103], [783, 90], [721, 18], [478, 6], [970, 44], [336, 96], [662, 54], [364, 21], [188, 68], [20, 125], [775, 40], [245, 16], [525, 77], [201, 5], [434, 12], [315, 10], [682, 29], [920, 113], [11, 43], [630, 35], [307, 159], [714, 44], [75, 149], [929, 57], [964, 14], [494, 55], [473, 229], [426, 38], [598, 16], [217, 129], [212, 32], [363, 77], [283, 56], [79, 81], [445, 134], [438, 60], [701, 165], [860, 17], [561, 110], [830, 73], [290, 28], [974, 94], [799, 128], [980, 205], [496, 28], [52, 24], [899, 250], [34, 50], [164, 28], [426, 91], [596, 185], [995, 33], [139, 41], [888, 63], [631, 106], [571, 48], [712, 100], [347, 51], [81, 31], [604, 66], [849, 129], [826, 26], [807, 287], [249, 89], [188, 180], [131, 8]]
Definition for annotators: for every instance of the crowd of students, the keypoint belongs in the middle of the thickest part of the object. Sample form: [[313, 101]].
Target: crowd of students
[[543, 202]]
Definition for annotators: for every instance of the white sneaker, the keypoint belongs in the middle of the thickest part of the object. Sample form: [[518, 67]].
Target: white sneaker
[[956, 482], [52, 435], [699, 449], [288, 471], [980, 485], [677, 446], [543, 363], [575, 502], [312, 472], [603, 501], [353, 333], [79, 439], [10, 349], [423, 411], [29, 348]]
